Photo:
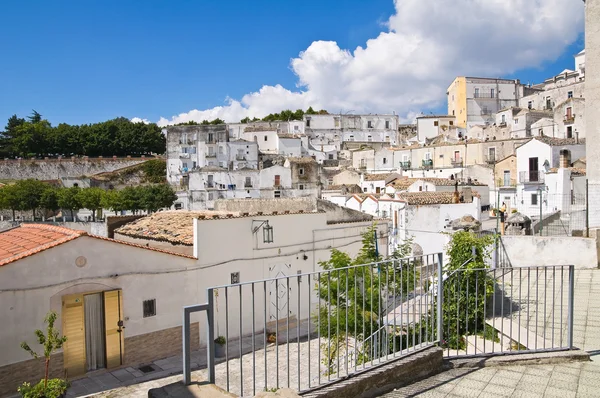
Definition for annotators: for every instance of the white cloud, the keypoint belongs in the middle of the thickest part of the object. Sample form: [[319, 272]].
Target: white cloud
[[408, 68], [138, 120]]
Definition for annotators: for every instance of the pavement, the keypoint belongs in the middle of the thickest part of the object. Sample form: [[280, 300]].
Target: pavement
[[574, 379]]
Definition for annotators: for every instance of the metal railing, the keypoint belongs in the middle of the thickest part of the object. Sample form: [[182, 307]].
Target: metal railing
[[508, 310], [532, 177], [305, 331]]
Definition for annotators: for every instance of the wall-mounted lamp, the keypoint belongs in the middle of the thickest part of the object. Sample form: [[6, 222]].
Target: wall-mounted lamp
[[267, 230]]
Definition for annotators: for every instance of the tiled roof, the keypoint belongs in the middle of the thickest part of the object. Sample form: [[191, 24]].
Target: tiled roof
[[305, 159], [284, 135], [349, 187], [574, 171], [378, 177], [428, 198], [28, 239], [447, 182], [560, 141]]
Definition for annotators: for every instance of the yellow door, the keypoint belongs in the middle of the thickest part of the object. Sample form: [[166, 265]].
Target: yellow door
[[113, 322], [73, 328]]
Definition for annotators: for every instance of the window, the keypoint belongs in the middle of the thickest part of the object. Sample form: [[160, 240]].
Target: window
[[149, 308], [492, 154], [277, 194], [436, 123], [384, 160], [248, 182], [184, 164], [369, 124], [277, 180], [369, 138], [570, 94], [492, 93], [451, 123], [330, 156], [420, 188], [301, 186], [235, 278], [569, 131], [387, 124], [266, 138], [307, 122], [211, 196], [365, 189], [569, 112], [351, 138], [296, 128], [383, 214], [534, 199], [428, 156], [476, 93], [301, 171], [211, 137], [503, 118], [220, 150], [530, 104], [516, 121], [453, 112]]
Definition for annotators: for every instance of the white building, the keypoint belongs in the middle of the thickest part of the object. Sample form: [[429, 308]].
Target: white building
[[431, 126], [136, 293]]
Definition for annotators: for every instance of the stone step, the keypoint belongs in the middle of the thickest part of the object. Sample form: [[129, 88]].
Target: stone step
[[479, 345]]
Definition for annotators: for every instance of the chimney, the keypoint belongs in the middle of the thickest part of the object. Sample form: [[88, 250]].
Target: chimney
[[467, 194], [565, 159]]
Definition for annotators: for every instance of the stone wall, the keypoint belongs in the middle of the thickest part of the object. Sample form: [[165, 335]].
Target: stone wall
[[54, 169], [339, 214], [32, 371], [524, 251], [164, 343]]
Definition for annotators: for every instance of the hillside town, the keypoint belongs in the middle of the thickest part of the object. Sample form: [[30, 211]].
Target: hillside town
[[308, 248]]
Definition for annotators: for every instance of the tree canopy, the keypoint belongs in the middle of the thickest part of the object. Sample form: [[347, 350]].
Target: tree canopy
[[286, 114], [32, 195], [35, 136]]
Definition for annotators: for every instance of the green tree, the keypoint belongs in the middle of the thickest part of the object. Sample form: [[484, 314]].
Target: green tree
[[9, 199], [132, 199], [113, 200], [68, 198], [35, 117], [155, 197], [49, 199], [155, 171], [91, 199], [29, 193], [51, 342]]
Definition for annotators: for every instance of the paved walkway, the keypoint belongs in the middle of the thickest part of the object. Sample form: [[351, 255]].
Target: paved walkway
[[564, 380]]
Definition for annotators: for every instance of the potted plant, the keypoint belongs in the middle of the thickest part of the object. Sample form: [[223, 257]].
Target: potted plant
[[220, 346], [51, 341]]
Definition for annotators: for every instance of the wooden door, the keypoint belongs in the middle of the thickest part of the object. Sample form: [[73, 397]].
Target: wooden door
[[113, 323], [73, 327]]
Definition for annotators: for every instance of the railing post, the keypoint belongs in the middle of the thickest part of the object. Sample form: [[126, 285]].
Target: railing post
[[439, 298], [571, 305], [210, 337], [187, 371]]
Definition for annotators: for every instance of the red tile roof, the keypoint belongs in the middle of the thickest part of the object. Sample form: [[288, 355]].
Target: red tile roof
[[28, 239]]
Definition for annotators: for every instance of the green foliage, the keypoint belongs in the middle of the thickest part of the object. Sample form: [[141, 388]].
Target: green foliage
[[220, 340], [33, 194], [354, 293], [51, 341], [154, 170], [465, 292], [36, 137], [55, 388]]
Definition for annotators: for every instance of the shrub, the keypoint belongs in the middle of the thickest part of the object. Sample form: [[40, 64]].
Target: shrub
[[220, 340], [54, 389]]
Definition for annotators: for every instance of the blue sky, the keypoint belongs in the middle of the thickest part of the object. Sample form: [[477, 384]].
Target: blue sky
[[89, 61]]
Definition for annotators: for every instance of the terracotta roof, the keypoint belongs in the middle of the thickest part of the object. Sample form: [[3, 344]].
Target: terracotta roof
[[305, 159], [402, 183], [349, 187], [447, 182], [284, 135], [574, 171], [560, 141], [428, 198], [378, 177], [28, 239]]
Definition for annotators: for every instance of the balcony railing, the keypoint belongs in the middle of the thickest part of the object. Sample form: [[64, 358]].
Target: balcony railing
[[502, 124], [184, 155], [405, 165], [240, 157], [210, 184], [569, 119], [427, 162], [484, 95], [248, 185], [456, 162], [211, 155], [490, 159], [532, 177]]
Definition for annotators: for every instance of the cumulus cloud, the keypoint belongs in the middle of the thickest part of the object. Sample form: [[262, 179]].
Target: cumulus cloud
[[139, 120], [408, 68]]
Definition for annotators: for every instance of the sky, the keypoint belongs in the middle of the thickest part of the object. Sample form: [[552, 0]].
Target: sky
[[173, 61]]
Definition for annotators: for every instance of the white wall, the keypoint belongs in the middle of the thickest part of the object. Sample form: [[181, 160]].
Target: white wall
[[544, 251]]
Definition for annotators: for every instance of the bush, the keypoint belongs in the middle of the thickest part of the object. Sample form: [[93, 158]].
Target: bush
[[220, 340], [55, 389]]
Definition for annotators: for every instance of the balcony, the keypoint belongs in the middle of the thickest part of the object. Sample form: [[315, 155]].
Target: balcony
[[484, 95], [248, 185], [240, 157], [405, 165], [502, 124], [184, 155], [569, 119], [210, 184], [211, 155], [427, 162], [490, 159], [532, 177], [456, 162]]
